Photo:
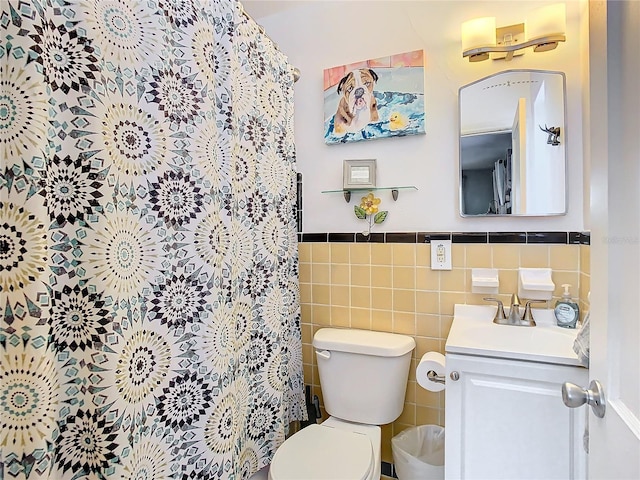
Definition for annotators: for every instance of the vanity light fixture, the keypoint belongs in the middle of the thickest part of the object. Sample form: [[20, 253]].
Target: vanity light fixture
[[543, 30]]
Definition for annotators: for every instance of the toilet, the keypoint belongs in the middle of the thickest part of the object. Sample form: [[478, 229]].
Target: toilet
[[363, 375]]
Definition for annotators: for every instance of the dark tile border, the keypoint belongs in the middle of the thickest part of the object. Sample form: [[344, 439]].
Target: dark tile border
[[471, 237], [580, 238], [371, 238], [342, 237], [404, 237], [314, 237], [388, 469], [507, 237], [537, 238], [548, 237], [426, 237]]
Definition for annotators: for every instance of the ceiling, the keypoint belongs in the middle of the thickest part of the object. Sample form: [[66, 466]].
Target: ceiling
[[263, 8]]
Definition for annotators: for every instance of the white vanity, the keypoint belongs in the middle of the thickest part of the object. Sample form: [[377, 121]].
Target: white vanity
[[505, 418]]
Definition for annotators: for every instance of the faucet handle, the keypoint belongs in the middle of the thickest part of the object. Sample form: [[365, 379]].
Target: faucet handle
[[500, 315], [528, 314]]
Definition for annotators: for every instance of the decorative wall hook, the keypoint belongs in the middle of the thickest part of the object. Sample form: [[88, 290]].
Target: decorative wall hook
[[554, 134]]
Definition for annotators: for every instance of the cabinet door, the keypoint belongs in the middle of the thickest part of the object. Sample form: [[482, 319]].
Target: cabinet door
[[505, 420]]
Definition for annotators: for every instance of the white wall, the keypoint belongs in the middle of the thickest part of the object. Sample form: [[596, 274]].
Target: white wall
[[323, 34]]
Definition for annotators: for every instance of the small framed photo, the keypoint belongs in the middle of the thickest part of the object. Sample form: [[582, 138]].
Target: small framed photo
[[358, 174]]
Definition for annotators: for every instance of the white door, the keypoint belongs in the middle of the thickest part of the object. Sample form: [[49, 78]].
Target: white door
[[614, 134], [519, 158]]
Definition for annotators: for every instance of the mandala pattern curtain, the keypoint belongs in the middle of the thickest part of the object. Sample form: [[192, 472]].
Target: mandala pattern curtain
[[148, 255]]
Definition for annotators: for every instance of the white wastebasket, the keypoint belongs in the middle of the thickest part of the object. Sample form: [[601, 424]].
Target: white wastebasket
[[418, 453]]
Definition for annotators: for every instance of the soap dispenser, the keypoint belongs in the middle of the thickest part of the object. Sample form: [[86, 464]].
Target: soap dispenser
[[566, 310]]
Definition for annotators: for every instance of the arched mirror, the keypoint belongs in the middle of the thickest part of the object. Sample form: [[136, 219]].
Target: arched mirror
[[513, 144]]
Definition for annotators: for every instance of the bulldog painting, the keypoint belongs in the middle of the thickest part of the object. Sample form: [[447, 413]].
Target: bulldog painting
[[357, 106], [375, 98]]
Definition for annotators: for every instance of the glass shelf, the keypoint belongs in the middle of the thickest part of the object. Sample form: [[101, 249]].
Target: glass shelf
[[394, 191]]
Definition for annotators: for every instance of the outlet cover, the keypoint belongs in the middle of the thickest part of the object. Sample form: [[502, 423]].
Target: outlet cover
[[440, 254]]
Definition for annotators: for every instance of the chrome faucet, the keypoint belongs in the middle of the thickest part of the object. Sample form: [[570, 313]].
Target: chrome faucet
[[514, 311], [514, 318]]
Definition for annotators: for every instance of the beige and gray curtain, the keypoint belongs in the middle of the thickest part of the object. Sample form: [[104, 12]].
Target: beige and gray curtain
[[148, 255]]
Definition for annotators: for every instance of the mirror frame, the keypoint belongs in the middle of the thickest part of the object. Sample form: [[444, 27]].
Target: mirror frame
[[563, 137]]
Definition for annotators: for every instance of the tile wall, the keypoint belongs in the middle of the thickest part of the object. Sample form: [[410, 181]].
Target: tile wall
[[386, 284]]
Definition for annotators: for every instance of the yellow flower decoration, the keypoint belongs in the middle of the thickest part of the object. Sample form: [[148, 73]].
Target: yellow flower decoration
[[369, 204], [368, 210]]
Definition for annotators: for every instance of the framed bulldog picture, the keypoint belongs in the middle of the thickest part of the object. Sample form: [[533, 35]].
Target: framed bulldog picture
[[378, 98]]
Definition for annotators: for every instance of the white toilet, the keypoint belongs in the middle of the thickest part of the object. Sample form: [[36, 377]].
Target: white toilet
[[363, 375]]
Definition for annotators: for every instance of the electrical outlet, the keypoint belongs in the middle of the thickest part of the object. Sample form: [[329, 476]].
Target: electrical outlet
[[440, 254]]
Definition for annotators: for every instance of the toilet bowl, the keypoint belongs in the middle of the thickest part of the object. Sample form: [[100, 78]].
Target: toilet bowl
[[335, 449], [363, 377]]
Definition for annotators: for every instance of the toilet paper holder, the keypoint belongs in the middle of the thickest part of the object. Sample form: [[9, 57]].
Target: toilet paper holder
[[434, 377], [430, 372]]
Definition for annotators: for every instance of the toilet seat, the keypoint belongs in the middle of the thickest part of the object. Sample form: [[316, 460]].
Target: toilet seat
[[322, 452]]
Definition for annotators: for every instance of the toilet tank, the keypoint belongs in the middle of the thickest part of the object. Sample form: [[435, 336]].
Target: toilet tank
[[363, 374]]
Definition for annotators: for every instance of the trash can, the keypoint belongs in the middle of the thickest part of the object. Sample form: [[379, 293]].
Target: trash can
[[418, 453]]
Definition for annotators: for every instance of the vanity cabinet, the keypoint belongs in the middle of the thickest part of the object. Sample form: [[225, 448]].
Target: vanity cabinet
[[505, 419]]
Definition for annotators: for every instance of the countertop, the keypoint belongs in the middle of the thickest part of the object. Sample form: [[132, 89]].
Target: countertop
[[474, 333]]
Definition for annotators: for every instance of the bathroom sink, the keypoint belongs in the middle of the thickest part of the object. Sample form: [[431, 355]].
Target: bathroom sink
[[474, 333]]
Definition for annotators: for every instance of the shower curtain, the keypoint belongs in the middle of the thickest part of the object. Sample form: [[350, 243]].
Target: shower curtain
[[148, 254]]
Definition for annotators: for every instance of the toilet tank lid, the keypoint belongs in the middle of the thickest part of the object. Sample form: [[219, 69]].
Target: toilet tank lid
[[364, 342]]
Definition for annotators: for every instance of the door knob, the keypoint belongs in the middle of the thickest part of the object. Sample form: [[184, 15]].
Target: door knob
[[574, 396]]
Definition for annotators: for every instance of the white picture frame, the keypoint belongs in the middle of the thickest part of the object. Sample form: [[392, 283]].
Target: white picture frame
[[358, 174]]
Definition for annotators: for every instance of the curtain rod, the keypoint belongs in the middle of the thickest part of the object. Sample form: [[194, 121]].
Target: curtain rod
[[295, 71]]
